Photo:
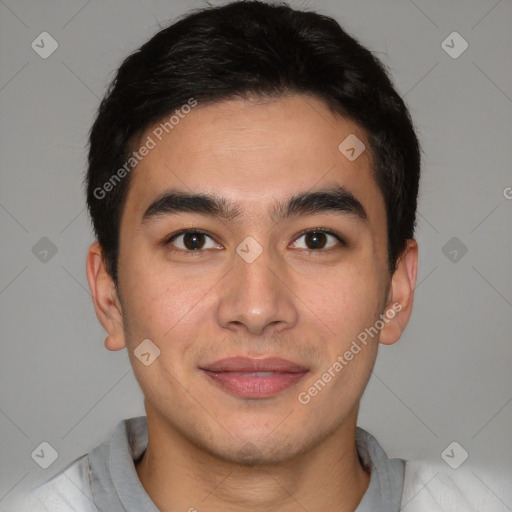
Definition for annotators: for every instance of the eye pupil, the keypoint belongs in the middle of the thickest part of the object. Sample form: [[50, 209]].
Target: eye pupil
[[193, 241], [316, 239]]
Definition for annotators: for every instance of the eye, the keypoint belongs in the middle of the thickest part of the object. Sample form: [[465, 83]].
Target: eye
[[317, 239], [191, 240]]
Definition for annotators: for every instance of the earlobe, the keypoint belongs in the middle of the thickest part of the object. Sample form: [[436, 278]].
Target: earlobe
[[401, 297], [105, 300]]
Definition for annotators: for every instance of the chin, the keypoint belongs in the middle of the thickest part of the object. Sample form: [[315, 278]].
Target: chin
[[249, 454], [257, 448]]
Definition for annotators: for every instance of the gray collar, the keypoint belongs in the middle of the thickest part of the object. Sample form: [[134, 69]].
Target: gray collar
[[387, 475], [116, 487]]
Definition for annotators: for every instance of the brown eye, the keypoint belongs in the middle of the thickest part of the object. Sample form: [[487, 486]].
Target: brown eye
[[314, 240], [192, 241]]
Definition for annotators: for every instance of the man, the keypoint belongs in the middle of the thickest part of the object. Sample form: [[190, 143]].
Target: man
[[252, 182]]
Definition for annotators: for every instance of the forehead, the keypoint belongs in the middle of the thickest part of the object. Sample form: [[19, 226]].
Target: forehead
[[254, 152]]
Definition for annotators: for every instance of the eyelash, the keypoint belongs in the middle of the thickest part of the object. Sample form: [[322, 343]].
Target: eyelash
[[336, 235], [167, 241]]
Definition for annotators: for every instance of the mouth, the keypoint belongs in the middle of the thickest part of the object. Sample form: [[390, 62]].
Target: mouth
[[254, 378]]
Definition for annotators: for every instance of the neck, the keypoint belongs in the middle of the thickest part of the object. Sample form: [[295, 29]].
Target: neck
[[179, 475]]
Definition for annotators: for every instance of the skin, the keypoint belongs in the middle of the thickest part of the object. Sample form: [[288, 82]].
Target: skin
[[209, 449]]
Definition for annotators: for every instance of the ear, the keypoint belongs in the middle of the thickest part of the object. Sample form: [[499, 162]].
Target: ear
[[104, 296], [401, 295]]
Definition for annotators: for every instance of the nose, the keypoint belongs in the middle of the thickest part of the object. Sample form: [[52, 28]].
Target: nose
[[257, 296]]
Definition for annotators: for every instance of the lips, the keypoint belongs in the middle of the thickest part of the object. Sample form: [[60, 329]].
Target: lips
[[254, 378], [248, 365]]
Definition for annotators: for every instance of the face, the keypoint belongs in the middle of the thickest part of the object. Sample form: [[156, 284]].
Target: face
[[285, 258]]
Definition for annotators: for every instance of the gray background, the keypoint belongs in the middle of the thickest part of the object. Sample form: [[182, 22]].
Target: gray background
[[449, 377]]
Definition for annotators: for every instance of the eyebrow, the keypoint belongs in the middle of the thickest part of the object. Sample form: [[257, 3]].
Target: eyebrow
[[335, 199]]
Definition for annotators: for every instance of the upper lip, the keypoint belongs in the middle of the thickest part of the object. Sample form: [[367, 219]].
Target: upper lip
[[247, 364]]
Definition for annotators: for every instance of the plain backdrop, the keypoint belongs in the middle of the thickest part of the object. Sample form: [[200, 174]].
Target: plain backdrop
[[448, 379]]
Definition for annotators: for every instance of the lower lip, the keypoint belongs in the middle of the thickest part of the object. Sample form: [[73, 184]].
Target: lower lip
[[254, 386]]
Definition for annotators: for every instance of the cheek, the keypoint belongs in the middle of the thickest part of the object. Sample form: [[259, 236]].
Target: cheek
[[161, 304], [156, 312], [346, 299]]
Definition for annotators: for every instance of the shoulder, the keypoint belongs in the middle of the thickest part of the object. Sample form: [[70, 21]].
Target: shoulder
[[430, 487], [68, 491]]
